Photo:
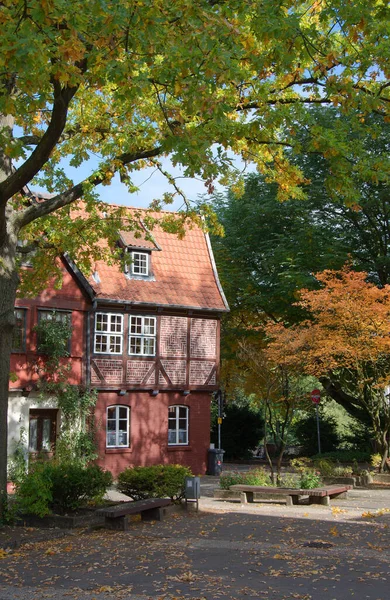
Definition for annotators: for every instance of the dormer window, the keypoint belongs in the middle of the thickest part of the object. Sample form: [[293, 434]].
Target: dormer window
[[138, 246], [139, 263]]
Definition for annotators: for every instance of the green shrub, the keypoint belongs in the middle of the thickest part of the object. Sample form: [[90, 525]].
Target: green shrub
[[375, 461], [74, 486], [231, 478], [310, 480], [157, 481], [345, 471], [33, 493], [289, 480], [60, 487], [346, 456], [255, 477], [325, 467], [301, 464], [309, 476], [328, 468]]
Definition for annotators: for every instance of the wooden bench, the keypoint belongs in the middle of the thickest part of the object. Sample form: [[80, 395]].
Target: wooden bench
[[150, 510], [320, 495]]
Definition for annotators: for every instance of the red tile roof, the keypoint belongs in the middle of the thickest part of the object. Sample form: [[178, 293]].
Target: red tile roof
[[184, 273], [129, 238]]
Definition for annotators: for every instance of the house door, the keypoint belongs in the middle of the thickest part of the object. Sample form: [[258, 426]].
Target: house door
[[42, 431]]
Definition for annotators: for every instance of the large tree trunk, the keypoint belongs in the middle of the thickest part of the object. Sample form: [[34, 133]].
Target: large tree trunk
[[8, 286]]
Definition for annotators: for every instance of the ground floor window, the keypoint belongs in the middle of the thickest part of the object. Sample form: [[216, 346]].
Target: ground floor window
[[178, 417], [118, 420], [42, 430]]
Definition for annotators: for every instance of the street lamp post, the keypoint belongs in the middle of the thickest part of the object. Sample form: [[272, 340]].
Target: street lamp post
[[315, 398]]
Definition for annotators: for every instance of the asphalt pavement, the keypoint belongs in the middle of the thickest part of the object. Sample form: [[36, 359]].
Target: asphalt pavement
[[223, 551]]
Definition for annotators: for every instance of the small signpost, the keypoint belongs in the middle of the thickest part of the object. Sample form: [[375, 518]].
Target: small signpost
[[315, 398], [219, 398]]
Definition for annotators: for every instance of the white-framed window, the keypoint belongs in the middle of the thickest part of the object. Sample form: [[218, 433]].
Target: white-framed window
[[178, 419], [139, 263], [117, 427], [142, 335], [108, 337]]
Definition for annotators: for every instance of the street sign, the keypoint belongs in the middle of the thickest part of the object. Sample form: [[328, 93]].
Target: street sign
[[315, 396]]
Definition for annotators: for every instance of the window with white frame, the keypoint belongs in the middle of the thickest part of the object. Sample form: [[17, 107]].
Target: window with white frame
[[117, 428], [140, 263], [108, 333], [178, 418], [142, 335]]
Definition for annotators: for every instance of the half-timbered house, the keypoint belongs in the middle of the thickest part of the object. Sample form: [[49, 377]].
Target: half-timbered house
[[145, 335]]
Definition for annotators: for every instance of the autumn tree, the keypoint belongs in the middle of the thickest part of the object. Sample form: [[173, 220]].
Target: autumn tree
[[280, 391], [132, 82], [345, 343]]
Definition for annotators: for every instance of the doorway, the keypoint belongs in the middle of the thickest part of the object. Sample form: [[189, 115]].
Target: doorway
[[42, 431]]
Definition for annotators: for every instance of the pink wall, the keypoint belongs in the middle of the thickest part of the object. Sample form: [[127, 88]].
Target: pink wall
[[149, 431], [69, 297]]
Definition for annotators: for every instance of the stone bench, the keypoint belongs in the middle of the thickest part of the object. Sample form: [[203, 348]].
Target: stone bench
[[320, 495], [150, 510]]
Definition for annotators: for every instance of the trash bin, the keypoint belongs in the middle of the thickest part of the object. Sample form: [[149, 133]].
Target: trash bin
[[192, 490], [215, 461]]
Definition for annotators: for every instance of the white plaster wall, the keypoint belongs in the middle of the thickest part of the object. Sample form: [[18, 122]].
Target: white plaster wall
[[18, 415]]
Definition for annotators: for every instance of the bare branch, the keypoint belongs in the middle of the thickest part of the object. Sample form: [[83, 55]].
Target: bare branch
[[35, 211], [29, 140], [254, 105]]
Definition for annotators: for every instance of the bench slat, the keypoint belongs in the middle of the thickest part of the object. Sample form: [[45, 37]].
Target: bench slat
[[266, 490], [133, 507]]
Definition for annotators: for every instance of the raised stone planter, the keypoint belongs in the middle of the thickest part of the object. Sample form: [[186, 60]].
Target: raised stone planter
[[381, 478], [231, 495], [364, 480], [87, 518], [357, 480], [226, 495], [341, 480]]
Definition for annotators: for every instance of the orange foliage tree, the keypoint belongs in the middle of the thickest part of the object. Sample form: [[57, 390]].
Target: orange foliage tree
[[279, 390], [345, 343]]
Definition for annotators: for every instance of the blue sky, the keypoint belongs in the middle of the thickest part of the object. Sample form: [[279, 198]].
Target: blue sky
[[152, 185]]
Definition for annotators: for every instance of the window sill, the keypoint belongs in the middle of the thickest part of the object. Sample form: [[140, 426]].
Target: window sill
[[118, 450], [179, 448]]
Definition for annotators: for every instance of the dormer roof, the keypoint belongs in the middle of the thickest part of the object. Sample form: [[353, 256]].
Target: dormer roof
[[138, 240]]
